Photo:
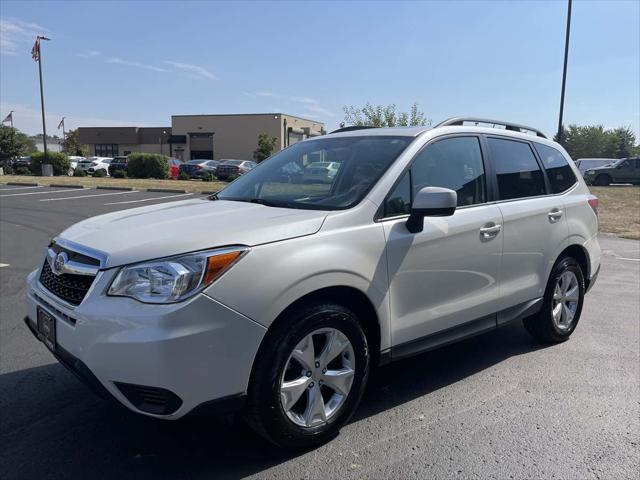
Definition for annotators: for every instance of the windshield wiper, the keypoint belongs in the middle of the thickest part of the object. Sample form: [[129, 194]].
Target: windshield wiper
[[264, 202]]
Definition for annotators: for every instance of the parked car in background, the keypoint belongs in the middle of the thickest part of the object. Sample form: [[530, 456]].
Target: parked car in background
[[625, 170], [320, 172], [73, 163], [424, 237], [99, 163], [198, 168], [24, 162], [585, 164], [118, 163], [174, 167], [233, 168], [86, 163]]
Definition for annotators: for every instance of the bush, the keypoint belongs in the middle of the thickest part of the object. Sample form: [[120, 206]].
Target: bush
[[183, 176], [148, 165], [22, 171], [59, 161], [207, 177], [78, 172], [231, 178], [8, 169], [99, 173], [119, 174]]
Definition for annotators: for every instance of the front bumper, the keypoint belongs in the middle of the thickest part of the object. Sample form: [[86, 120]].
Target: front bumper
[[158, 360]]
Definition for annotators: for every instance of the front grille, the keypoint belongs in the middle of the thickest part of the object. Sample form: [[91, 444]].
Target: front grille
[[69, 287]]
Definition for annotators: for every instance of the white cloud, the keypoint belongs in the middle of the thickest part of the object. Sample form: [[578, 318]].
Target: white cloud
[[195, 70], [17, 36], [92, 53], [29, 120], [129, 63], [311, 106]]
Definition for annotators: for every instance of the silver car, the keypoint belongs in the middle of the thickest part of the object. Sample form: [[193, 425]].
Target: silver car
[[277, 298]]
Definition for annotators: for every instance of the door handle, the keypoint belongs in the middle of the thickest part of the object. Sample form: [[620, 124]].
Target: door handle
[[490, 232], [554, 215]]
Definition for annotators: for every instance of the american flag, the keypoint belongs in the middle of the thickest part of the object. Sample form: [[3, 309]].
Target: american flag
[[8, 118], [35, 51], [61, 124]]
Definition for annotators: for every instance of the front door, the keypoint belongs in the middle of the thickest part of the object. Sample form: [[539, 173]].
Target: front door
[[447, 275]]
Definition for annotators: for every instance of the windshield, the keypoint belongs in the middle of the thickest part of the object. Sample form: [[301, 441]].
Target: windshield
[[283, 181]]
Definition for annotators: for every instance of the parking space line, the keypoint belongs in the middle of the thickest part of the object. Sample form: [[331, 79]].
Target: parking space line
[[4, 265], [19, 188], [65, 190], [87, 196], [149, 199]]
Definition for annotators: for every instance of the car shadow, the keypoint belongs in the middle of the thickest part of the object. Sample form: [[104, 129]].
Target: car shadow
[[51, 425]]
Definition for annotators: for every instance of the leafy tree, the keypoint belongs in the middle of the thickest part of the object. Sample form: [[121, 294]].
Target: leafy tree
[[594, 141], [72, 145], [60, 162], [383, 116], [266, 146], [14, 143]]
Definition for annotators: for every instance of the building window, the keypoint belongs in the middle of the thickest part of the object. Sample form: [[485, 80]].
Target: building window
[[106, 150]]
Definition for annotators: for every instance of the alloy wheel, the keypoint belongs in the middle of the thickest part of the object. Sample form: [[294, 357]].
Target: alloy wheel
[[566, 296], [317, 377]]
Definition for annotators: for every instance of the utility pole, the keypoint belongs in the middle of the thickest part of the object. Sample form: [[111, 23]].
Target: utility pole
[[564, 71]]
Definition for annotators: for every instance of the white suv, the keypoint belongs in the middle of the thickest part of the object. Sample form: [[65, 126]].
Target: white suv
[[277, 297]]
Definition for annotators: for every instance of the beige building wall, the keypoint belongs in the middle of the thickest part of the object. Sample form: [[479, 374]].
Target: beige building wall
[[236, 136]]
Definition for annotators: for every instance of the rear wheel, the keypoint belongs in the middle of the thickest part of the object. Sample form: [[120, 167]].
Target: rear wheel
[[562, 303], [602, 180], [309, 376], [70, 172]]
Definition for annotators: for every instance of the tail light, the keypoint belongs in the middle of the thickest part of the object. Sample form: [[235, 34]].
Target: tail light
[[593, 202], [199, 167]]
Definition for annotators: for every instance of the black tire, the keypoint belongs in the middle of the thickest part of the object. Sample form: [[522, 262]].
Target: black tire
[[264, 411], [602, 180], [542, 326]]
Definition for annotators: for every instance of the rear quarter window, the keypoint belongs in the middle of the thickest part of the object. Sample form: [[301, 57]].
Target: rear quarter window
[[560, 175]]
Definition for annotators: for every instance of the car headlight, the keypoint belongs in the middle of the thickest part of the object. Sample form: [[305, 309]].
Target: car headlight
[[174, 279]]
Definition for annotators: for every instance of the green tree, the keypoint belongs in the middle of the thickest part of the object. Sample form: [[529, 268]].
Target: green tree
[[595, 141], [266, 146], [384, 116], [14, 143], [72, 145]]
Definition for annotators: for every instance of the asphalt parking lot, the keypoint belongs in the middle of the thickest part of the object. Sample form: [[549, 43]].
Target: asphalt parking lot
[[494, 406]]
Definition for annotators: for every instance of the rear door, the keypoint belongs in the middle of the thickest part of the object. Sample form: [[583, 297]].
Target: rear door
[[626, 171], [534, 221], [445, 276]]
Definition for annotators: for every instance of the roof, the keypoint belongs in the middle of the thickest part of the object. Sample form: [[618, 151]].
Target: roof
[[248, 115]]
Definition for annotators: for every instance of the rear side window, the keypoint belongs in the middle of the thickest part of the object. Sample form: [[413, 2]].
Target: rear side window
[[518, 172], [559, 172]]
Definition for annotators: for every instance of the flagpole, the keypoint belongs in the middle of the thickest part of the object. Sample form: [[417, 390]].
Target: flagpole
[[44, 125], [13, 132]]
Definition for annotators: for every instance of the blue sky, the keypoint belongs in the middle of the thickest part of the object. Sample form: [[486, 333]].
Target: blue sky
[[136, 63]]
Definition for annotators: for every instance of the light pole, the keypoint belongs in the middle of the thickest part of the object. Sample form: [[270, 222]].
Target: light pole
[[564, 71]]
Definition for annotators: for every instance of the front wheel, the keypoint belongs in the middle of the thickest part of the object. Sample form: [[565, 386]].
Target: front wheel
[[309, 377], [562, 303], [70, 172], [602, 181]]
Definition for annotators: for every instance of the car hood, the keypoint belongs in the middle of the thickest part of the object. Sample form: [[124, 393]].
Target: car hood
[[603, 167], [162, 230]]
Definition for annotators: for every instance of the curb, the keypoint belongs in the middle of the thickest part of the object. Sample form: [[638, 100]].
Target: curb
[[209, 192], [106, 187], [166, 190], [64, 185], [23, 184]]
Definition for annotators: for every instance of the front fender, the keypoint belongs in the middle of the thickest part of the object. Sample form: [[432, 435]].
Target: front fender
[[273, 276]]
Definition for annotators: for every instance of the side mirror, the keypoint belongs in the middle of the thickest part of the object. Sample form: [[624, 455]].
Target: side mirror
[[431, 202]]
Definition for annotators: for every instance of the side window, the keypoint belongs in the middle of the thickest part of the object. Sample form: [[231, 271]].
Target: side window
[[518, 172], [454, 163], [559, 172], [626, 165], [399, 202]]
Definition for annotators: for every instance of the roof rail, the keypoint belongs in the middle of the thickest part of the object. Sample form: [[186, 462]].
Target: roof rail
[[351, 128], [508, 125]]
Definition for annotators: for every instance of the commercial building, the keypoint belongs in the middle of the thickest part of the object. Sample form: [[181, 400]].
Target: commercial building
[[201, 136], [114, 141]]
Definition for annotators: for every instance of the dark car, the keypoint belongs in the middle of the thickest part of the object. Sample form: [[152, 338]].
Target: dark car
[[625, 170], [118, 163], [233, 168], [198, 168]]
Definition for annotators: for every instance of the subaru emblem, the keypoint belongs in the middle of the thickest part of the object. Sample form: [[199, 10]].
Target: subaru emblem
[[59, 263]]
